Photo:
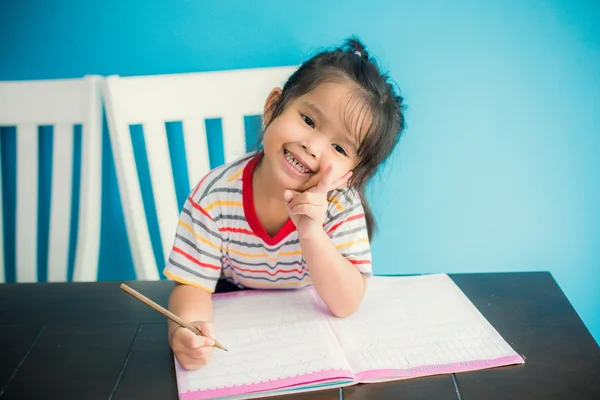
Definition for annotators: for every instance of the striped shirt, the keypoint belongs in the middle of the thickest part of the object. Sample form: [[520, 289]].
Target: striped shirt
[[219, 235]]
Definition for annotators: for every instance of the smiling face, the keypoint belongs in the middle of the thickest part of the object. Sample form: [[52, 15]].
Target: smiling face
[[320, 128]]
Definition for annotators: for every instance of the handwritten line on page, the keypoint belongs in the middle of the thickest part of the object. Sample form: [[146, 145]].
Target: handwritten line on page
[[285, 341]]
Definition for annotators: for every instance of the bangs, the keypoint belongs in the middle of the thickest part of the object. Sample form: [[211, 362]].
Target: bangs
[[362, 120]]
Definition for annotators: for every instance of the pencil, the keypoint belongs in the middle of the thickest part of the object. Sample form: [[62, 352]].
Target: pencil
[[167, 313]]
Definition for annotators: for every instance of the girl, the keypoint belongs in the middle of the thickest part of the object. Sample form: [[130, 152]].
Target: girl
[[293, 214]]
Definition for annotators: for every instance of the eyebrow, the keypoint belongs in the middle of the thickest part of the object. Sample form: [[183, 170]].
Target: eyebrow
[[314, 109], [347, 138]]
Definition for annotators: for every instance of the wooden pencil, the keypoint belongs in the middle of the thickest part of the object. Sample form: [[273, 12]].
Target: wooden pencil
[[167, 313]]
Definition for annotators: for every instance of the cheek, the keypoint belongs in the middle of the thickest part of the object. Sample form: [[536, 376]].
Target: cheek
[[343, 167], [287, 127], [275, 131], [343, 163], [270, 136]]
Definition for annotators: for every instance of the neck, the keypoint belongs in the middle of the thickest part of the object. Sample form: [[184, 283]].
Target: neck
[[260, 182]]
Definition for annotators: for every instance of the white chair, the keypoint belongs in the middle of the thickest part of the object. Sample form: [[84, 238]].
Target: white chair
[[62, 103], [190, 98]]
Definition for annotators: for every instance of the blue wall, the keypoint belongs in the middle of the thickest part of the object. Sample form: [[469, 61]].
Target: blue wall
[[498, 170]]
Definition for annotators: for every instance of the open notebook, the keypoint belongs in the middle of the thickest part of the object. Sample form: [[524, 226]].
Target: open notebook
[[287, 342]]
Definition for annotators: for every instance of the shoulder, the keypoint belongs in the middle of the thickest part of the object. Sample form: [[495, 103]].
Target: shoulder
[[223, 183], [345, 220], [342, 203], [344, 198]]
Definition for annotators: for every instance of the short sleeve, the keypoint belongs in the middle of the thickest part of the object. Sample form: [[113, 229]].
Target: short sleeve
[[346, 226], [195, 257]]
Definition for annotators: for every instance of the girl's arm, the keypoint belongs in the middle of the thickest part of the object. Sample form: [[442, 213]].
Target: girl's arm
[[338, 282], [190, 303]]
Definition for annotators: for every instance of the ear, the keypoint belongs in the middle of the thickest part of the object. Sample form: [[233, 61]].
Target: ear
[[271, 102]]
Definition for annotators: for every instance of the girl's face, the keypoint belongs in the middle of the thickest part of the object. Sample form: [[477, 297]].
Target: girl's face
[[320, 128]]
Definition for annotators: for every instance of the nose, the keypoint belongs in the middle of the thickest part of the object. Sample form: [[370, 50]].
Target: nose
[[308, 150], [315, 146]]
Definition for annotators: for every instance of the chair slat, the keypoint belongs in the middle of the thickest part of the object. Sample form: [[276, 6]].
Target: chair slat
[[2, 260], [131, 199], [60, 203], [163, 185], [196, 149], [234, 139], [90, 195], [27, 203]]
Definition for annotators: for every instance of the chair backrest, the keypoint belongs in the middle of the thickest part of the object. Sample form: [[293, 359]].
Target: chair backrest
[[190, 98], [65, 104]]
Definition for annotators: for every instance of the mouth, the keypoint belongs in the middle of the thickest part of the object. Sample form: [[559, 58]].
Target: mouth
[[296, 163]]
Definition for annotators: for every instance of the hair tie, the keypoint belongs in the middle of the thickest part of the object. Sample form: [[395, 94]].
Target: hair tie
[[358, 53]]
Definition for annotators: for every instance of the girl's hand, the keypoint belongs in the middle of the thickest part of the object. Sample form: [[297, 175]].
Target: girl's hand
[[307, 209], [193, 351]]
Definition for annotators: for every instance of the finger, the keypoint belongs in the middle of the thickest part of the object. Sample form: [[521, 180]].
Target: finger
[[303, 209], [200, 353], [206, 337], [206, 328], [187, 362], [192, 341], [312, 198], [190, 363], [326, 180], [186, 337], [205, 341], [289, 194]]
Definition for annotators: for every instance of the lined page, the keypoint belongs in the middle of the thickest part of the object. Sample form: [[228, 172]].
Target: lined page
[[416, 326], [270, 336]]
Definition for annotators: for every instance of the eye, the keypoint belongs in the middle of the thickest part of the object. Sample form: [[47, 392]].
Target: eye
[[308, 120], [340, 149]]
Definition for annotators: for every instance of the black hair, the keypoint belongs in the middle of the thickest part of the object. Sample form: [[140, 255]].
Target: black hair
[[352, 63]]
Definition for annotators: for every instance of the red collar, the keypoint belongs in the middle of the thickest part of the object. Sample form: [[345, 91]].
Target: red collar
[[250, 211]]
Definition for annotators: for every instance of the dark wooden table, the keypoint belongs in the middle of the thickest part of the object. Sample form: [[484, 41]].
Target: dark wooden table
[[93, 341]]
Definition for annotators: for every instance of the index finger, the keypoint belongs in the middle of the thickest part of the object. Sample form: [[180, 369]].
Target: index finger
[[190, 340], [200, 341], [205, 327], [326, 181]]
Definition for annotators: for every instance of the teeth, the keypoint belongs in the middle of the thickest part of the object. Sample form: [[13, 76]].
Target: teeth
[[295, 163]]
